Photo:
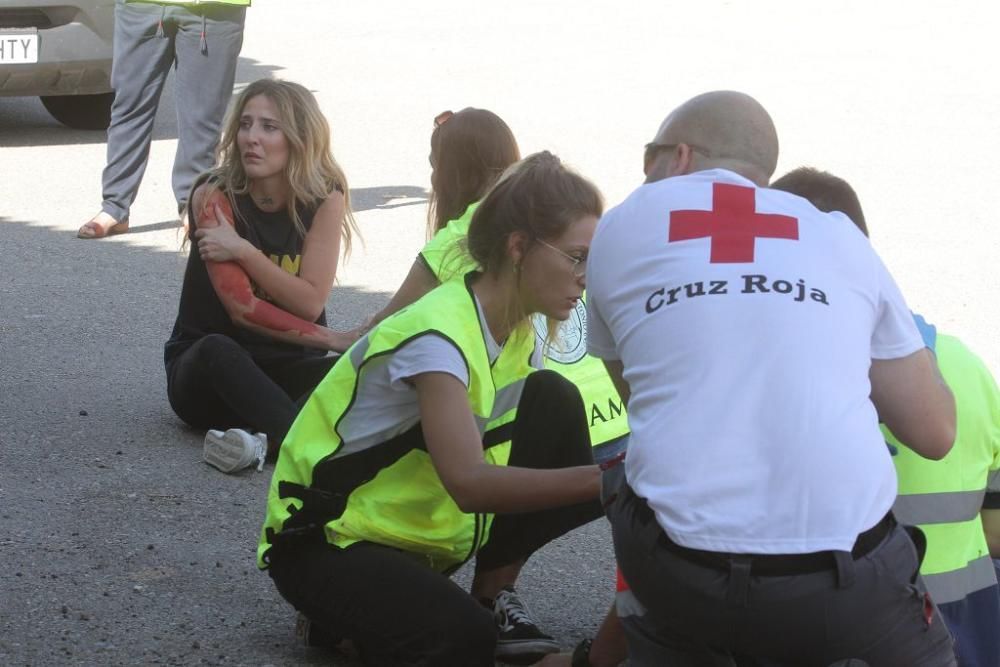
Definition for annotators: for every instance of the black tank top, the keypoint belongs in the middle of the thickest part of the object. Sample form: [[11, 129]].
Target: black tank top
[[201, 312]]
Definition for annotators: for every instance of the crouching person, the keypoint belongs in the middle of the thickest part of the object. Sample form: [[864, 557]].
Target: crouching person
[[432, 441]]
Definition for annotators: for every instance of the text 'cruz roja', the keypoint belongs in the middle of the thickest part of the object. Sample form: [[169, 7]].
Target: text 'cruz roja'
[[749, 284]]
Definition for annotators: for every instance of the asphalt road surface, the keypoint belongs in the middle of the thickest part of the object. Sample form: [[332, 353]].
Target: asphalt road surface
[[119, 547]]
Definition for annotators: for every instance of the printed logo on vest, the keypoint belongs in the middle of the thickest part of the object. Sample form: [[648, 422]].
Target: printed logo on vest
[[570, 344]]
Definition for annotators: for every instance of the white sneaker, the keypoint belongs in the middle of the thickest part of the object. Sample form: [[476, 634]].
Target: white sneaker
[[235, 449]]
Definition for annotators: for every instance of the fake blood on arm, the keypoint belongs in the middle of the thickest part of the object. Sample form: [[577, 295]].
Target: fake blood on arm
[[232, 282]]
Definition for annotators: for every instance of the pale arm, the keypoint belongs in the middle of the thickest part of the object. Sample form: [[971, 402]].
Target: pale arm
[[232, 285], [991, 526], [456, 450], [913, 400], [303, 295], [418, 282], [616, 371]]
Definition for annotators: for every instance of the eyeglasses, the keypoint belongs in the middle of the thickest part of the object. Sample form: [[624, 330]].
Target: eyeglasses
[[442, 118], [652, 149], [578, 265]]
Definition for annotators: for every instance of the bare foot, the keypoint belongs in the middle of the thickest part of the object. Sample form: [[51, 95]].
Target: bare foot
[[102, 225]]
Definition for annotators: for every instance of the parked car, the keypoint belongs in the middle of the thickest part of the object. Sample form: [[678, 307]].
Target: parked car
[[59, 50]]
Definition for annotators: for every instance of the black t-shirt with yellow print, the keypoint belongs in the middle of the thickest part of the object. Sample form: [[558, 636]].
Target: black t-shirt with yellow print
[[201, 312]]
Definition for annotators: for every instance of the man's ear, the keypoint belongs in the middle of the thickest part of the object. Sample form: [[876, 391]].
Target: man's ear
[[681, 161]]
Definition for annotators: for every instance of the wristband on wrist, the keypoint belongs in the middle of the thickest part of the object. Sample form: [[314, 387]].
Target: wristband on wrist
[[612, 462]]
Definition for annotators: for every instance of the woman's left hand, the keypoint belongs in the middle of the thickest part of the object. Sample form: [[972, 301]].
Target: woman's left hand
[[221, 243]]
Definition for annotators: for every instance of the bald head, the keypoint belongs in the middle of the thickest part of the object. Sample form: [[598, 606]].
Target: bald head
[[723, 129]]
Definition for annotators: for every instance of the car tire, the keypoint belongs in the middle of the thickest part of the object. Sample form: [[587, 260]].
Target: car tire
[[81, 112]]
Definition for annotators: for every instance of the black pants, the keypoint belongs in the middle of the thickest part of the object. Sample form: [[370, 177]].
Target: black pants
[[216, 383], [399, 611], [870, 608]]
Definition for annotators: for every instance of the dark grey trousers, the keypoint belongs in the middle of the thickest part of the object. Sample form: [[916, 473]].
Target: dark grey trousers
[[871, 608], [203, 43]]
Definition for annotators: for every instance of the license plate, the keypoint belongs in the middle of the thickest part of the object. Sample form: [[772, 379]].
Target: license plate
[[18, 48]]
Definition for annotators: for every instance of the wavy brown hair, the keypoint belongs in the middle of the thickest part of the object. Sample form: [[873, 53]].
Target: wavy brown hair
[[312, 173], [469, 152]]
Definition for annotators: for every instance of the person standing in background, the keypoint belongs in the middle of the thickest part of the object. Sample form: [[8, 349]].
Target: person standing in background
[[202, 42]]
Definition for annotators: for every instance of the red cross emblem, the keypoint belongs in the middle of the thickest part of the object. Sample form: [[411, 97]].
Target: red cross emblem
[[733, 224]]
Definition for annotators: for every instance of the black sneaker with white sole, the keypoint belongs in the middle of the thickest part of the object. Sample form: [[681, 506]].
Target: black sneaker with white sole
[[519, 641]]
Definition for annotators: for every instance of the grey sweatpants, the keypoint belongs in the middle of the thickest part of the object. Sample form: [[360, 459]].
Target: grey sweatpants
[[203, 43]]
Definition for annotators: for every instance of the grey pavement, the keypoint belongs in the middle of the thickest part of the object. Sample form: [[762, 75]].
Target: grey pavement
[[119, 547]]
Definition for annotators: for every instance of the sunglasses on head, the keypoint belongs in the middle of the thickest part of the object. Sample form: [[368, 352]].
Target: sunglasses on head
[[443, 118]]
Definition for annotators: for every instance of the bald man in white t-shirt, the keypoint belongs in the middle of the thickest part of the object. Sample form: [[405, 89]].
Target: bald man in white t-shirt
[[758, 342]]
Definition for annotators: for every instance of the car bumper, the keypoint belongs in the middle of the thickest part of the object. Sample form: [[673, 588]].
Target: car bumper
[[74, 47]]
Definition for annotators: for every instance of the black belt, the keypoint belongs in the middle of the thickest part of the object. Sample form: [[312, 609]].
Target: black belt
[[776, 565]]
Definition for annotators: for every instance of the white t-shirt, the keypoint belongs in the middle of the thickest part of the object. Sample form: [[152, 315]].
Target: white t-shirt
[[387, 404], [748, 361]]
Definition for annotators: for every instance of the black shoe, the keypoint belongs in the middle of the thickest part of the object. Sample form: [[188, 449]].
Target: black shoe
[[519, 641]]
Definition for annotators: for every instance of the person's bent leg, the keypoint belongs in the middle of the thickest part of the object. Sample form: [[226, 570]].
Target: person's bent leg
[[550, 431], [216, 384], [395, 609], [866, 608], [209, 40], [884, 617], [661, 595], [143, 53], [298, 377]]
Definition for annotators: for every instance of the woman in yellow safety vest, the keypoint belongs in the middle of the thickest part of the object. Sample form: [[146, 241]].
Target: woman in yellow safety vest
[[470, 149], [434, 439]]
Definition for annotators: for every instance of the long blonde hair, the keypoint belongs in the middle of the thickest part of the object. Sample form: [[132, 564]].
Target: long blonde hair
[[312, 173]]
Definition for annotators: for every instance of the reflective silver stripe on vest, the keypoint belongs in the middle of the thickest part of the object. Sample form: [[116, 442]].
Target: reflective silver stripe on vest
[[626, 604], [505, 400], [481, 423], [956, 585], [357, 357], [947, 507], [358, 351]]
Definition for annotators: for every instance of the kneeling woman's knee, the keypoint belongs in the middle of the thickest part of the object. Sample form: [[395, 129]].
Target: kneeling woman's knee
[[548, 391]]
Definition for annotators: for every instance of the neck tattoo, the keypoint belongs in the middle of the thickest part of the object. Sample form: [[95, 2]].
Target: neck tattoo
[[265, 201]]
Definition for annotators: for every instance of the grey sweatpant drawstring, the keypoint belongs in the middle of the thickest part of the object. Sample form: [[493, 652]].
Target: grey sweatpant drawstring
[[203, 44], [159, 26]]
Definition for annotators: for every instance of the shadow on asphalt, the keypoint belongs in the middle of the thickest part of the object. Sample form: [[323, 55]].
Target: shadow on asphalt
[[154, 226], [385, 197], [119, 545], [25, 122]]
